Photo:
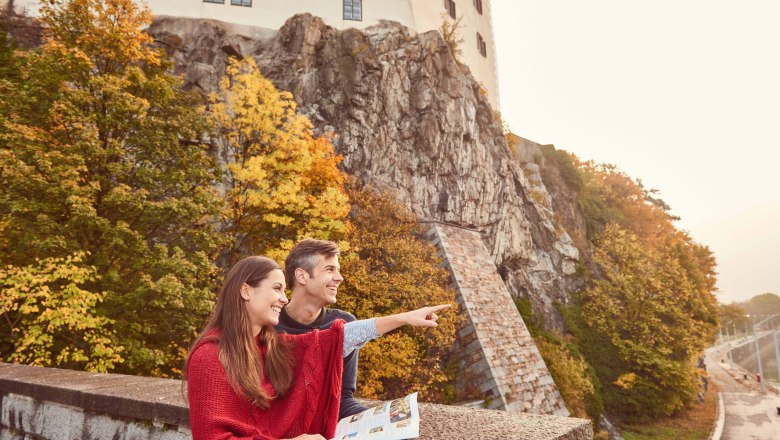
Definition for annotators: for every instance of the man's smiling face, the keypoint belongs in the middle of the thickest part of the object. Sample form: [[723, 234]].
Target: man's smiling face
[[322, 285]]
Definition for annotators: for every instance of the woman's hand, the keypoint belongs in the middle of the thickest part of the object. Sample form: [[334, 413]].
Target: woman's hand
[[308, 437], [422, 317]]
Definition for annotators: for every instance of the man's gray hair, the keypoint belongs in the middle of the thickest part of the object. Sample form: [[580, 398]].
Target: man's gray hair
[[305, 255]]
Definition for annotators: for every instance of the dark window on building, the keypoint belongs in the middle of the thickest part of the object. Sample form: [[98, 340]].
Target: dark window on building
[[478, 5], [247, 3], [481, 45], [353, 9], [221, 2], [449, 5]]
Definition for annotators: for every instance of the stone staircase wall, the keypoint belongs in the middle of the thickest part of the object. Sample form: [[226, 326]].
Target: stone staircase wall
[[497, 354]]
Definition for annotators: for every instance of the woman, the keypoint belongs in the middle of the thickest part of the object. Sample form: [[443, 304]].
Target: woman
[[246, 381]]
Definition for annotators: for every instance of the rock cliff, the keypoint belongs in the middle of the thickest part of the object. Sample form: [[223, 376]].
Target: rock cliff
[[408, 118]]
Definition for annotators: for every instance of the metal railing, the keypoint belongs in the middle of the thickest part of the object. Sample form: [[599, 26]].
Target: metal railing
[[766, 321]]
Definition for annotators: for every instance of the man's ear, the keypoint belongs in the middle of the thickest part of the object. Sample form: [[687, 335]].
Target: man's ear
[[245, 291], [301, 276]]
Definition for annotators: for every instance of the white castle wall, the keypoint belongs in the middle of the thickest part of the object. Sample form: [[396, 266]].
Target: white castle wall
[[419, 15]]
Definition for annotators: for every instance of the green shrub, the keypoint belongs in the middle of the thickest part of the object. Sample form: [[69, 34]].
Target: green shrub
[[567, 165]]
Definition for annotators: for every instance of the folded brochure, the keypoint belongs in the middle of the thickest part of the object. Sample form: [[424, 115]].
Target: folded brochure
[[394, 420]]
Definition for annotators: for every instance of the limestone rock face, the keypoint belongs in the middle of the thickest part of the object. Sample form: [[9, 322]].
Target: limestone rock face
[[407, 118]]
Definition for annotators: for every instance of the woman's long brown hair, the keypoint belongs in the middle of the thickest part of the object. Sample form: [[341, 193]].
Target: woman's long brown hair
[[238, 351]]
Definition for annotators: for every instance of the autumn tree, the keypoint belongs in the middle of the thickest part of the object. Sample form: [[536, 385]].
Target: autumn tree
[[52, 320], [607, 196], [764, 304], [656, 317], [389, 269], [733, 316], [100, 156], [647, 309], [281, 183]]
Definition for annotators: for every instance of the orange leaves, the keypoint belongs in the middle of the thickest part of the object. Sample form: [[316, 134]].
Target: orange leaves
[[324, 171]]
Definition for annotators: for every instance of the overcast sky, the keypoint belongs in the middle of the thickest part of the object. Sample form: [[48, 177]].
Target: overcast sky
[[682, 94]]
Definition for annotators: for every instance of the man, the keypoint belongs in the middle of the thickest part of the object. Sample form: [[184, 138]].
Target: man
[[312, 274]]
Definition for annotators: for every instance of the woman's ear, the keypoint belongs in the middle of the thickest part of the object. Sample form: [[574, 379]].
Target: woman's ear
[[245, 291]]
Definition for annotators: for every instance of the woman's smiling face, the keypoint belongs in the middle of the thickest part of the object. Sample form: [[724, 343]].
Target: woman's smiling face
[[264, 303]]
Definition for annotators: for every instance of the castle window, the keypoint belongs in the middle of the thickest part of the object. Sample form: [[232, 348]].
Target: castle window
[[449, 5], [478, 5], [221, 2], [353, 10], [247, 3], [481, 45]]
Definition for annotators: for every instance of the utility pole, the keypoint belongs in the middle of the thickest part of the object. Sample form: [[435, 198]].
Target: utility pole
[[728, 337], [777, 352], [9, 13]]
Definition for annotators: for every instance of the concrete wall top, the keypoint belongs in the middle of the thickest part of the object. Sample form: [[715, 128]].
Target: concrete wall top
[[160, 401], [144, 398]]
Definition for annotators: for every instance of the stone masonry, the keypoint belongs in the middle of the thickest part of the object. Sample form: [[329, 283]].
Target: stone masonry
[[53, 404], [498, 356]]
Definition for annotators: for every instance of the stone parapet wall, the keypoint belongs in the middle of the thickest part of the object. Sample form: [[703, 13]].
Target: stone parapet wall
[[52, 404], [498, 356], [49, 403]]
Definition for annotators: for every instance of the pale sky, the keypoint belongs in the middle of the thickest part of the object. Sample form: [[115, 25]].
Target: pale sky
[[682, 94]]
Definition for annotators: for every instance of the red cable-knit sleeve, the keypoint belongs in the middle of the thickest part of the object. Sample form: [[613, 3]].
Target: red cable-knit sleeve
[[216, 411]]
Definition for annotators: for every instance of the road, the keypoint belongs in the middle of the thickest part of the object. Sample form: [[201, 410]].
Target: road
[[750, 415]]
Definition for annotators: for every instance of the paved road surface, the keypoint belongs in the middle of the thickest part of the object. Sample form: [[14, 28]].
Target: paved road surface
[[750, 415]]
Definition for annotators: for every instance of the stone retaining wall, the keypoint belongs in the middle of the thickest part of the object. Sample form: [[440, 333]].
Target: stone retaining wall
[[497, 354], [52, 404], [747, 348]]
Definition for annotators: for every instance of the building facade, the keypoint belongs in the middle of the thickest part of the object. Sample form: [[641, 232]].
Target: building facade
[[478, 47]]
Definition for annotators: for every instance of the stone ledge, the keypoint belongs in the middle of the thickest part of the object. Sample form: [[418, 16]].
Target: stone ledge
[[143, 398], [459, 423], [160, 402]]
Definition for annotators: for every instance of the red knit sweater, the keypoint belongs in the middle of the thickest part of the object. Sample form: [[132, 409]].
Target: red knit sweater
[[311, 406]]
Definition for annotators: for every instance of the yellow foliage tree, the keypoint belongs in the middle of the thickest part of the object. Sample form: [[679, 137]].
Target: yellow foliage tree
[[647, 309], [52, 320], [655, 315], [100, 153], [281, 183], [608, 195], [570, 373]]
